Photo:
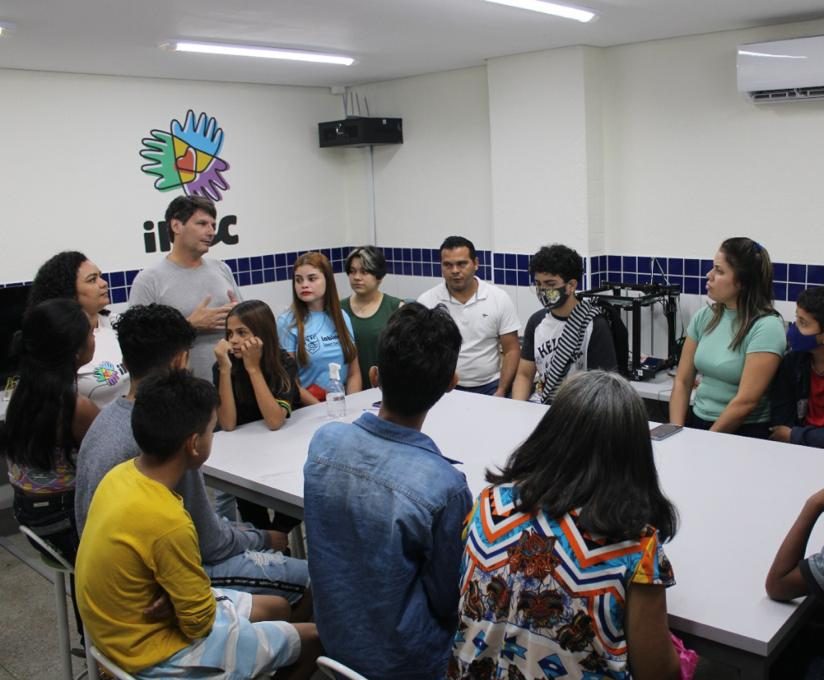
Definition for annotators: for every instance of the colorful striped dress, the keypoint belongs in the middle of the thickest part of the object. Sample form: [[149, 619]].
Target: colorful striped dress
[[542, 598]]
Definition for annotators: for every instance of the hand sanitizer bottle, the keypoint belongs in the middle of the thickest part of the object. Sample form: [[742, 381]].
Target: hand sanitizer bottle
[[335, 396]]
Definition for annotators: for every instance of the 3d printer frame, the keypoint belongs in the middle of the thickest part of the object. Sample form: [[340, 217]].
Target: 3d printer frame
[[651, 293]]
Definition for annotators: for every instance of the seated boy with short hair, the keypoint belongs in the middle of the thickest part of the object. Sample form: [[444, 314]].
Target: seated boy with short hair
[[384, 511], [155, 338], [567, 336], [797, 393], [139, 541]]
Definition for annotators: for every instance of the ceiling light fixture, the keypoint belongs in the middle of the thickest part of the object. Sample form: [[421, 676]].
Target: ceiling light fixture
[[259, 52], [582, 15], [772, 56], [6, 27]]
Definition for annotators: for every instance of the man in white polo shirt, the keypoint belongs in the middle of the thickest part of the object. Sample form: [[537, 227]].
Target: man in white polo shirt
[[485, 316]]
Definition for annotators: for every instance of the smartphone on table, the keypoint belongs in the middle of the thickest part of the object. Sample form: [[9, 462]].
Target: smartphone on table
[[663, 431]]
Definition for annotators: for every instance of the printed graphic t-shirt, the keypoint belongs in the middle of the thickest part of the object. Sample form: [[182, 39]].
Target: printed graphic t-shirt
[[322, 346], [104, 378], [541, 336]]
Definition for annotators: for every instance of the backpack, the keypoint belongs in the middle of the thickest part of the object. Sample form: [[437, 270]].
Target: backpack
[[618, 330]]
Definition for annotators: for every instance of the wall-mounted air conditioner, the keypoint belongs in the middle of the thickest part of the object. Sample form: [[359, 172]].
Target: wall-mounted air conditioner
[[783, 70]]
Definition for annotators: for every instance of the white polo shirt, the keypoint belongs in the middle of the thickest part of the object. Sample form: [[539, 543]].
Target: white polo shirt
[[482, 319]]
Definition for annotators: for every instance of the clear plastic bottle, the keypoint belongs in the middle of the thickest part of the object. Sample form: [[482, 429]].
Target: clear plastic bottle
[[335, 395]]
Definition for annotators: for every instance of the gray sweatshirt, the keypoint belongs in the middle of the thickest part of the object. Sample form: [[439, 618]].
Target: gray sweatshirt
[[109, 442]]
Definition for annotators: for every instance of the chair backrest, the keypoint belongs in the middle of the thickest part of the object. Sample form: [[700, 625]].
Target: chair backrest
[[62, 564], [333, 669], [109, 666]]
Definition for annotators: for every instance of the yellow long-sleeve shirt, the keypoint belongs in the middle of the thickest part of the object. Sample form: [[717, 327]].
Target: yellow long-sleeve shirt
[[138, 538]]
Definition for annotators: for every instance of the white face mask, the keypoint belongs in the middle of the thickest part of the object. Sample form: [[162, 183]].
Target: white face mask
[[552, 298]]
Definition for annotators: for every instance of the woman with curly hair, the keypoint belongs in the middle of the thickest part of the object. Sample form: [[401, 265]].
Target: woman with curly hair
[[71, 274]]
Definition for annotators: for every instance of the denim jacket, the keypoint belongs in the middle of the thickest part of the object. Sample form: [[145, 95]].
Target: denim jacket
[[384, 512]]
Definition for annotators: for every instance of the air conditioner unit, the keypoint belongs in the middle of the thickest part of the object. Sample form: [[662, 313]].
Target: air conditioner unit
[[783, 70]]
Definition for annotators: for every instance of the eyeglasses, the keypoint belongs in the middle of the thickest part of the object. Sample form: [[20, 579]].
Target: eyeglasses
[[541, 288]]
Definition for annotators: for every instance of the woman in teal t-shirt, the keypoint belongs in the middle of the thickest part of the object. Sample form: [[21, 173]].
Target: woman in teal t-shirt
[[736, 345]]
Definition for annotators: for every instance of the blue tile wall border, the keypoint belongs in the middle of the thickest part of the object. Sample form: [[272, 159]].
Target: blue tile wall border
[[510, 269]]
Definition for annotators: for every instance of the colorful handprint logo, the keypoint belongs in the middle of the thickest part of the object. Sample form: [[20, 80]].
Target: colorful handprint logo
[[187, 157]]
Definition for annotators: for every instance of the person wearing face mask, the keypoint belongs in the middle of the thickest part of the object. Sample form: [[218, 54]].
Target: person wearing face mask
[[567, 336], [797, 393]]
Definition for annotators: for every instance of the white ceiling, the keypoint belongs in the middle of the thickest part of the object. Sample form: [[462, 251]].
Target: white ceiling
[[388, 38]]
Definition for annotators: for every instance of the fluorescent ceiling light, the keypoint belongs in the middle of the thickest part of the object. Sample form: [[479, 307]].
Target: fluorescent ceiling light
[[6, 27], [260, 52], [772, 56], [582, 15]]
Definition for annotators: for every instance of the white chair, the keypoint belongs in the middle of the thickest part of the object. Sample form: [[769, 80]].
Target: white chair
[[333, 669], [108, 665], [62, 569]]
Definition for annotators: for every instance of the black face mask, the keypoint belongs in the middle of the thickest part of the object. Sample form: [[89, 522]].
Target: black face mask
[[552, 298]]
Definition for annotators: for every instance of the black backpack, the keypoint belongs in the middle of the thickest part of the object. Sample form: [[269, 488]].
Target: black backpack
[[618, 330]]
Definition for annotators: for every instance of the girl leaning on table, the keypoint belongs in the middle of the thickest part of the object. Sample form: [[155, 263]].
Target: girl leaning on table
[[563, 572], [256, 380], [736, 344], [317, 332]]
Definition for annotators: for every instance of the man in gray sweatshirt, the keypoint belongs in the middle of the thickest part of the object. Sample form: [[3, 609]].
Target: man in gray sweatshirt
[[201, 288], [158, 337]]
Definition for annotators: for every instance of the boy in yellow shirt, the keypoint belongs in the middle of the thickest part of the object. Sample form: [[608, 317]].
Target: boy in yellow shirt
[[140, 542]]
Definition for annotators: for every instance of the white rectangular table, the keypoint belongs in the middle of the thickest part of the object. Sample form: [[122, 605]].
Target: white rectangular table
[[737, 498]]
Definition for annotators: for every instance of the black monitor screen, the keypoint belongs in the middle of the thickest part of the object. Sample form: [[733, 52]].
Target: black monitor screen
[[12, 305]]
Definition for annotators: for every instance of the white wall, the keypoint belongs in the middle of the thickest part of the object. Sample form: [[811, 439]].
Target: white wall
[[71, 175], [437, 182], [539, 150], [638, 149], [689, 161]]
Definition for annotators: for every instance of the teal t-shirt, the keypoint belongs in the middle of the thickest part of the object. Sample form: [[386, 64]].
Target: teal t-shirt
[[721, 368]]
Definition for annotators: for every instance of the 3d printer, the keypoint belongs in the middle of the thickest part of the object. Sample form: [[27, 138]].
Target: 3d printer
[[633, 298]]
